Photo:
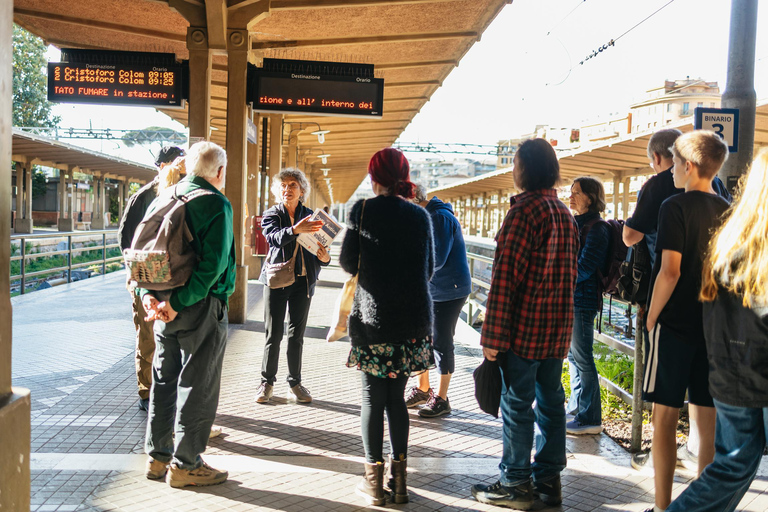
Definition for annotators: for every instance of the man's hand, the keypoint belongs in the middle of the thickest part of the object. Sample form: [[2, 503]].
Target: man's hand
[[165, 312], [490, 353], [307, 226], [322, 254], [150, 304]]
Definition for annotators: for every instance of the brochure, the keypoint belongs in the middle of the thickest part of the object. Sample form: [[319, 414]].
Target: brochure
[[324, 237]]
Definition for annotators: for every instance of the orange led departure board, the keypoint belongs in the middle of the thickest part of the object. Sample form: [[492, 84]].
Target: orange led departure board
[[310, 87], [115, 84]]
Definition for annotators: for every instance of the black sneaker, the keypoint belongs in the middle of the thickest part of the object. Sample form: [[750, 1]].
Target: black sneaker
[[549, 491], [519, 497], [435, 407], [416, 397]]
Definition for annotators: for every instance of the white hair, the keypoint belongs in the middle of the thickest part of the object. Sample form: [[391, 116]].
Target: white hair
[[205, 158]]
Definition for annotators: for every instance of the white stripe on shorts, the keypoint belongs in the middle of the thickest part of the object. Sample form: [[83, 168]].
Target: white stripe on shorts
[[652, 361]]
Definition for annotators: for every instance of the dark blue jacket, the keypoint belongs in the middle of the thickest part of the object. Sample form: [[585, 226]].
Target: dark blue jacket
[[278, 230], [592, 257], [451, 280]]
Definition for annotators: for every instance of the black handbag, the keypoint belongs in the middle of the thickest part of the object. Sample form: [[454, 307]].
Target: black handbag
[[488, 386]]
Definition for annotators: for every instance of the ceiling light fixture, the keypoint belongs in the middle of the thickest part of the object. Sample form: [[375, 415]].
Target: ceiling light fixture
[[324, 158], [320, 134]]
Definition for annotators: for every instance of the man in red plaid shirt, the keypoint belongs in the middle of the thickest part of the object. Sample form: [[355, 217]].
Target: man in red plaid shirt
[[527, 329]]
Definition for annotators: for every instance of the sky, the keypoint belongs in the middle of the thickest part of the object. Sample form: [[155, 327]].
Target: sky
[[525, 70]]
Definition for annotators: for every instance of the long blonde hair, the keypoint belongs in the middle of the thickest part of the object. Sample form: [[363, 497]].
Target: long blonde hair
[[737, 259], [171, 174]]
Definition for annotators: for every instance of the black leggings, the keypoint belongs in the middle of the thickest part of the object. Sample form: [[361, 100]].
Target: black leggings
[[379, 395]]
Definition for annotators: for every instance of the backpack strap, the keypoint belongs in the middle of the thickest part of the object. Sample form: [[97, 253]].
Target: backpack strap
[[194, 194]]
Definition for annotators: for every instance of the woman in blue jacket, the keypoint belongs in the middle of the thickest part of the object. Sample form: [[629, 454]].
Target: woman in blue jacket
[[450, 286], [587, 201]]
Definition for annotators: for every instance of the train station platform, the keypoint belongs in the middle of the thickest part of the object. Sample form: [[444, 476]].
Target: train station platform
[[73, 347]]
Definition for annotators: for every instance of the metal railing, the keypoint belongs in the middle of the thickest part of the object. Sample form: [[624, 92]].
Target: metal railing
[[476, 303], [69, 252]]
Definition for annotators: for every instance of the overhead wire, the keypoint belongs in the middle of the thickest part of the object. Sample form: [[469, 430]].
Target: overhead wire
[[565, 17]]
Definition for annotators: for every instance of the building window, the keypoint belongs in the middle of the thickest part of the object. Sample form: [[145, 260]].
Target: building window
[[711, 104], [686, 109], [503, 160], [700, 104], [669, 107]]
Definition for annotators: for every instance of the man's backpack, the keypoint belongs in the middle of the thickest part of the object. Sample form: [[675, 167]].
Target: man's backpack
[[635, 278], [161, 256], [134, 211], [608, 276]]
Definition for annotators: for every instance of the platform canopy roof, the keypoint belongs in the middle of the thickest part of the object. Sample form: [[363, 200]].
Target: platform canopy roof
[[620, 157], [413, 44], [53, 153]]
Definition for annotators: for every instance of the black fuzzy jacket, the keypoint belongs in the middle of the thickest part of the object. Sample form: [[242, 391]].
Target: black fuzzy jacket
[[278, 230], [392, 301]]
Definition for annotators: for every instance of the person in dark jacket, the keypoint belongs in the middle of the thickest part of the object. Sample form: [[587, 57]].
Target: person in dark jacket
[[134, 212], [281, 225], [735, 296], [587, 202], [391, 319], [449, 287]]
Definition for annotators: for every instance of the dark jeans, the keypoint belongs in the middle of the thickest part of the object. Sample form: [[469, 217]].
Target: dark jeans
[[380, 395], [295, 299], [526, 380], [740, 436], [186, 375], [585, 384], [446, 315]]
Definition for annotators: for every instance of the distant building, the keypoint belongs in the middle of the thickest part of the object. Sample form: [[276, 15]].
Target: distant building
[[434, 172]]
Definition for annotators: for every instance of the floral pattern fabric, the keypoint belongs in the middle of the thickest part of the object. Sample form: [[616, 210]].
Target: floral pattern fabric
[[387, 360]]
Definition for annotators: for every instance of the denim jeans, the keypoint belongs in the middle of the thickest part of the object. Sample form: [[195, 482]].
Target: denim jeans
[[585, 384], [526, 380], [740, 437], [295, 298], [186, 378]]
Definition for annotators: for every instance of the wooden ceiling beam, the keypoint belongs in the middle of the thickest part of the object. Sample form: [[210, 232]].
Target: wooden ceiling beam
[[287, 5], [409, 65], [102, 25], [341, 41]]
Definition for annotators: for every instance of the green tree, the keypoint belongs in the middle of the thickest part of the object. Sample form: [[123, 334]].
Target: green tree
[[150, 134], [30, 102], [39, 183]]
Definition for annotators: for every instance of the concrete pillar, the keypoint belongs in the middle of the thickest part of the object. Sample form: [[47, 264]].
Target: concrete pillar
[[238, 44], [199, 82], [275, 148], [120, 199], [290, 159], [740, 87], [97, 218], [14, 402], [28, 192], [616, 184], [65, 219], [19, 193], [253, 263], [486, 214], [625, 199]]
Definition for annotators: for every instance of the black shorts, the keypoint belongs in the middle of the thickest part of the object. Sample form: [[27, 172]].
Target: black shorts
[[672, 366]]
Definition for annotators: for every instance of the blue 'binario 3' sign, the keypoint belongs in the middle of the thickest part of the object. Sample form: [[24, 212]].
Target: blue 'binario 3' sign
[[722, 121]]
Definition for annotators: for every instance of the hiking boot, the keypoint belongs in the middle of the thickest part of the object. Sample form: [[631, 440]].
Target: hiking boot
[[416, 397], [264, 393], [550, 491], [395, 481], [155, 469], [578, 428], [436, 406], [200, 476], [302, 394], [371, 487], [519, 497]]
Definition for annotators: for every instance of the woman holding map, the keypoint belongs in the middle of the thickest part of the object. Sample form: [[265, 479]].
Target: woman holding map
[[281, 225]]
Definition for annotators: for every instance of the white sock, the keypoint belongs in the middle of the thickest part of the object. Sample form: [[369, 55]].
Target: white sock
[[657, 509]]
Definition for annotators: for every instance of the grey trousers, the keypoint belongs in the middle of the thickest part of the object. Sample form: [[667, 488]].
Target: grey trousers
[[186, 375]]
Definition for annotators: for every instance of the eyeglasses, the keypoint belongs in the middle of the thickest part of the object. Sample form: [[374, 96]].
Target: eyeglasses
[[292, 185]]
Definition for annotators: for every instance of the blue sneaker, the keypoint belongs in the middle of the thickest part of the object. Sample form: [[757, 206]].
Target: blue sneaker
[[518, 497], [575, 427]]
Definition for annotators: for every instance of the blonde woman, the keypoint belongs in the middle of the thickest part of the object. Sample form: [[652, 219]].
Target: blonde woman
[[735, 295]]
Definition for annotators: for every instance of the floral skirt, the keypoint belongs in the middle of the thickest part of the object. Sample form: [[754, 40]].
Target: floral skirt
[[387, 360]]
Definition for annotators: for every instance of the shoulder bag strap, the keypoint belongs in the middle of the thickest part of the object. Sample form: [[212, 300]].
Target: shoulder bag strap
[[360, 236]]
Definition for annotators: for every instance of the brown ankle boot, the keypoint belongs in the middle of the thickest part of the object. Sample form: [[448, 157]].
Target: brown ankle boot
[[395, 482], [371, 486]]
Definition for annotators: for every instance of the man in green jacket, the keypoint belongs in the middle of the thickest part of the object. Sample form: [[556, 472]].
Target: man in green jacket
[[191, 332]]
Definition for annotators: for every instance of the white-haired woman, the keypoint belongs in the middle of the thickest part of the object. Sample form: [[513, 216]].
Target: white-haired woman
[[281, 225]]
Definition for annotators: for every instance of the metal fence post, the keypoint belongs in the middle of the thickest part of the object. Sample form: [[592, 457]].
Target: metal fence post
[[23, 266], [471, 278], [637, 388], [103, 254], [69, 258]]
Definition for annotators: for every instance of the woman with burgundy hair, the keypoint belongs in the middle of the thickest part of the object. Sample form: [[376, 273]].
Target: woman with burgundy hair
[[389, 246]]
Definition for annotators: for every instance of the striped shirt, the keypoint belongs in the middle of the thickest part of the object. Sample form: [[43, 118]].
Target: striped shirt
[[530, 304]]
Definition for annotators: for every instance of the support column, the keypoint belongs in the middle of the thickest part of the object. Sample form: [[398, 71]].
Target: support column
[[97, 218], [740, 87], [625, 199], [238, 44], [120, 200], [65, 221], [18, 194], [290, 159], [486, 215], [200, 63], [616, 183], [14, 402], [275, 146], [254, 264], [28, 194], [23, 223]]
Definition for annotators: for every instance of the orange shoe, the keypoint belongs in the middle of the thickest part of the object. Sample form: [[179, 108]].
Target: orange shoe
[[200, 476], [155, 469]]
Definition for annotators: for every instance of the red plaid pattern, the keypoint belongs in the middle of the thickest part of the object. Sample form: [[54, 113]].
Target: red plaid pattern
[[530, 305]]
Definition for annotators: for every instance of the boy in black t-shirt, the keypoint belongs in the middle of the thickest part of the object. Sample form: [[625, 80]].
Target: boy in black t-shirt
[[676, 356]]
